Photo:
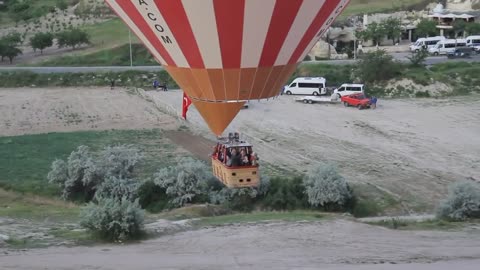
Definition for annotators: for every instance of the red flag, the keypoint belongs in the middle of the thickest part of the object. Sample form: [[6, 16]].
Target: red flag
[[186, 103]]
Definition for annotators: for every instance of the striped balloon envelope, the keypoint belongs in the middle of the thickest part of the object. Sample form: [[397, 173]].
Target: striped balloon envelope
[[224, 52]]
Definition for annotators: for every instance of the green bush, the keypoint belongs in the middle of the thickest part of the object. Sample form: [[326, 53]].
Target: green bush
[[123, 79], [117, 188], [327, 189], [185, 183], [336, 75], [112, 219], [285, 194], [78, 176], [119, 161], [463, 202], [82, 173], [377, 66], [240, 199], [152, 197]]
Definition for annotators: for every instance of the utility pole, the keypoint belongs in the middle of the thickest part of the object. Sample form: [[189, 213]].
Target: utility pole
[[130, 41]]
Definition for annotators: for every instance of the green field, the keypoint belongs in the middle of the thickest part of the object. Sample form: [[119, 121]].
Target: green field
[[261, 217], [25, 160], [359, 7], [109, 34], [118, 56]]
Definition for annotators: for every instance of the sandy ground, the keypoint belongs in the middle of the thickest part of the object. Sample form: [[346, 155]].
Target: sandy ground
[[333, 244], [410, 149], [27, 111]]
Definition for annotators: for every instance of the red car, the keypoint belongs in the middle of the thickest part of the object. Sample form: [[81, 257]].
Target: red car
[[357, 100]]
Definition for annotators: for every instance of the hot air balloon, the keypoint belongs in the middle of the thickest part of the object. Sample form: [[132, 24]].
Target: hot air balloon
[[225, 52]]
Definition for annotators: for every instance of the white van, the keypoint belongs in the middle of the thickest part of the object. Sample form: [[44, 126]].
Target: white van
[[425, 43], [348, 89], [447, 46], [473, 41], [306, 86]]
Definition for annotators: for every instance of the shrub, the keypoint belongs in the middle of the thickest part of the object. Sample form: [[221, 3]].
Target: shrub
[[120, 161], [285, 194], [241, 199], [82, 173], [78, 176], [112, 219], [184, 183], [418, 59], [117, 188], [463, 202], [377, 66], [327, 189], [152, 197]]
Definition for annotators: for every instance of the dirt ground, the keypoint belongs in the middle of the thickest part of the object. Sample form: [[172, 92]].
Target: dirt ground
[[409, 149], [29, 111], [330, 244]]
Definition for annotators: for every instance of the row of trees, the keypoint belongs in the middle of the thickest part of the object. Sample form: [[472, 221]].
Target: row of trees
[[9, 44], [117, 200], [392, 28], [108, 181]]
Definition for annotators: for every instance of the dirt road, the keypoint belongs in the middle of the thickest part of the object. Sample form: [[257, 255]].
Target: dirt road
[[333, 244]]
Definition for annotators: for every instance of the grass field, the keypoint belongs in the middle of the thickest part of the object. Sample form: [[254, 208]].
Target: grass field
[[434, 224], [111, 33], [25, 160], [261, 217], [358, 7], [118, 56]]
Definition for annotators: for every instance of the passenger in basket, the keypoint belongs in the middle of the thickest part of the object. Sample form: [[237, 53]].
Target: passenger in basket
[[254, 159], [221, 155], [244, 158], [235, 158]]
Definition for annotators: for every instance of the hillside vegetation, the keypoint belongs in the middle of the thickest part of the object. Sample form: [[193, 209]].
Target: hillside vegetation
[[106, 31]]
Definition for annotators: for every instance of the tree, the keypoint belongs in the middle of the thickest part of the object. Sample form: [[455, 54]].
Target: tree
[[13, 39], [326, 188], [393, 28], [184, 182], [418, 59], [62, 5], [113, 219], [72, 38], [12, 52], [426, 28], [41, 41], [473, 29], [376, 66], [375, 32], [83, 173], [459, 26], [463, 202]]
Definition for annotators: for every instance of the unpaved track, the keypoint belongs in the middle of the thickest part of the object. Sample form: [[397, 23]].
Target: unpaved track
[[410, 149], [339, 244]]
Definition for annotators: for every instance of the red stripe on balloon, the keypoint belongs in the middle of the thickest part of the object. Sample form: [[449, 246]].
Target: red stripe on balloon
[[174, 14], [229, 16], [283, 16], [323, 14], [140, 22]]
